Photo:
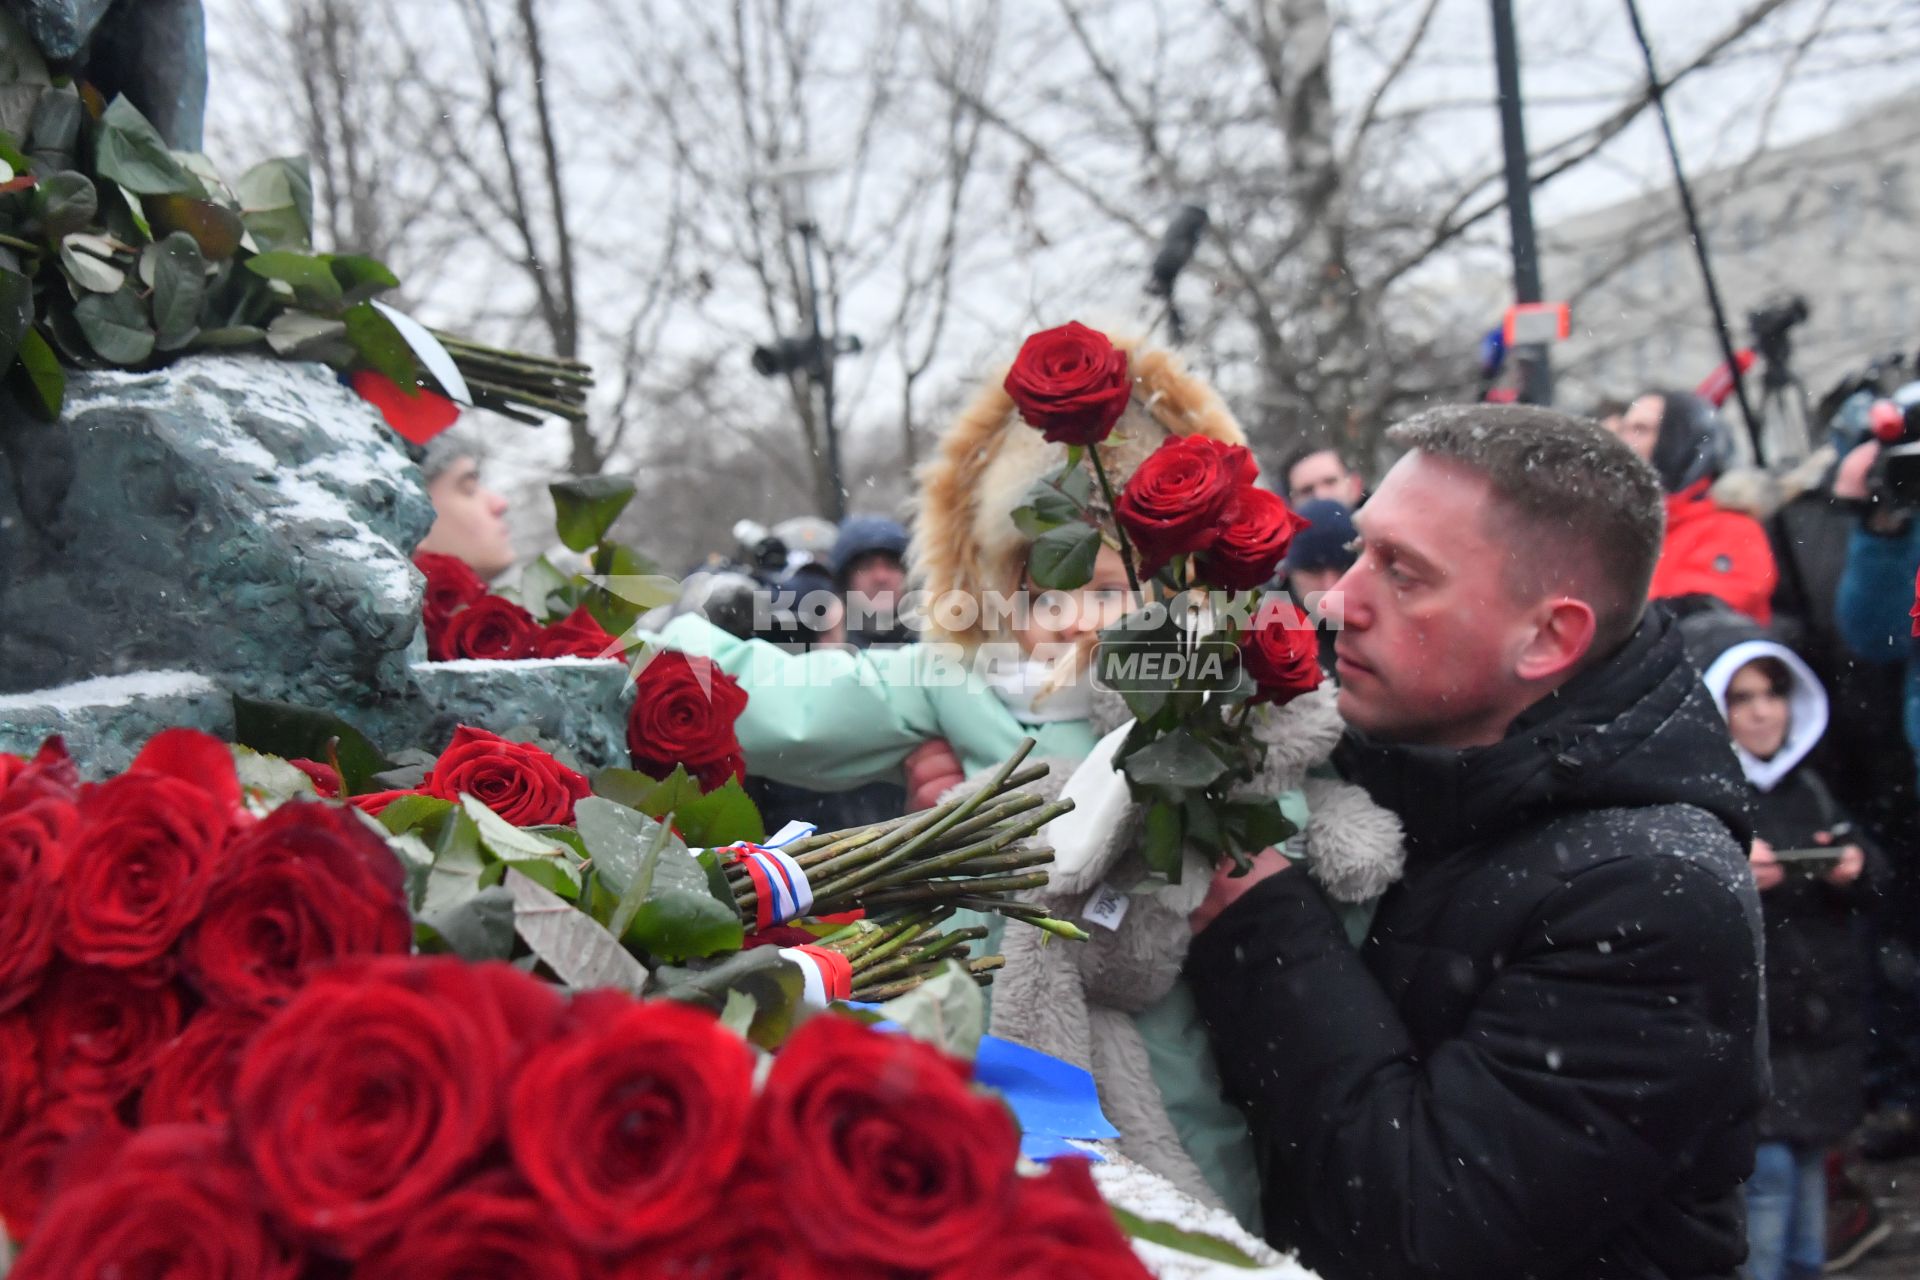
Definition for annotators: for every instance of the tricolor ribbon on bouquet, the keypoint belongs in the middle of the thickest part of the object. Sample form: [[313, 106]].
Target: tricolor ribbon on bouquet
[[827, 973], [780, 889]]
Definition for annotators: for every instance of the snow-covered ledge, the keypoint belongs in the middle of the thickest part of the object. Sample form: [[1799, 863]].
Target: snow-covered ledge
[[1147, 1194]]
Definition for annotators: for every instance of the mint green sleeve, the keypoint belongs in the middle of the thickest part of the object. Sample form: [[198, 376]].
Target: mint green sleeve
[[827, 719]]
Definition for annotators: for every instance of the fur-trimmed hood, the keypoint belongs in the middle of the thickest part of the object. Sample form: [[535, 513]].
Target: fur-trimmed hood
[[964, 539]]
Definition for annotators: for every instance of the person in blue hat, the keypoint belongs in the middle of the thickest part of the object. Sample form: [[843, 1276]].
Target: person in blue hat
[[1319, 557], [870, 567]]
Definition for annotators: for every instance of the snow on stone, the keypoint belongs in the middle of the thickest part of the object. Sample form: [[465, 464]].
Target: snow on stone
[[112, 691]]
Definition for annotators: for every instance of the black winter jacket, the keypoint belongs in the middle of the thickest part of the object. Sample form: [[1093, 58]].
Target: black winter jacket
[[1546, 1058], [1816, 978]]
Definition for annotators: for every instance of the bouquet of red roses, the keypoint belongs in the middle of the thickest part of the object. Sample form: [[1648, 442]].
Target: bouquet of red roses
[[549, 614], [408, 1117], [149, 925], [1207, 646]]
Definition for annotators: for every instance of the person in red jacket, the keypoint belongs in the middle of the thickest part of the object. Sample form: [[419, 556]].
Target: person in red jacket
[[1709, 550]]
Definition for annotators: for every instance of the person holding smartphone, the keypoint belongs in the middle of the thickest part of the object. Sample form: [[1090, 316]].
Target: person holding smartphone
[[1810, 870]]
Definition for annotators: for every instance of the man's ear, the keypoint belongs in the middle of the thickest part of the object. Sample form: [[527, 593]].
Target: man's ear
[[1563, 634]]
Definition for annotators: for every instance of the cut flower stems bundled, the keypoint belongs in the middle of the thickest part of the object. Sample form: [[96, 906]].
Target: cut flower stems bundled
[[971, 851], [510, 382]]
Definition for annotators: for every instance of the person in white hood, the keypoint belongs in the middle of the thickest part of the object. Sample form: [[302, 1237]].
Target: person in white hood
[[1808, 867]]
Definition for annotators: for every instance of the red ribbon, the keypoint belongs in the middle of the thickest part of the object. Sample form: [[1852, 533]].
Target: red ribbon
[[836, 971], [762, 888]]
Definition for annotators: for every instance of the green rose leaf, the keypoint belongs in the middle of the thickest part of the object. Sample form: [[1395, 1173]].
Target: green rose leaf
[[948, 1010], [361, 277], [775, 984], [312, 279], [480, 928], [571, 943], [129, 150], [38, 377], [302, 733], [116, 326], [723, 816], [1177, 760], [300, 335], [1062, 559], [458, 869], [1161, 847], [88, 262], [233, 335], [179, 287], [1252, 826], [68, 203], [586, 508], [216, 230], [276, 203], [619, 838], [678, 925], [379, 344], [411, 813]]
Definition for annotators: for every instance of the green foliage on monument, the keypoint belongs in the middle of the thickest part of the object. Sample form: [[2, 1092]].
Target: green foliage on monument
[[116, 251]]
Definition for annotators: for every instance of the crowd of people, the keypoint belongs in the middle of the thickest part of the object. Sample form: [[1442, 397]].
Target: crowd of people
[[1644, 717]]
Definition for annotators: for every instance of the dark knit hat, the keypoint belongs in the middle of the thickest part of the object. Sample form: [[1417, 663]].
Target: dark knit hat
[[1327, 541]]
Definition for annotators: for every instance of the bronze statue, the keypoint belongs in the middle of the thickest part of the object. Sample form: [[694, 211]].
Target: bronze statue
[[153, 51]]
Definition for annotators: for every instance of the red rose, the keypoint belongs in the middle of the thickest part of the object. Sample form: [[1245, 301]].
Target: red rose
[[489, 1227], [173, 1202], [1280, 653], [1071, 383], [1059, 1226], [748, 1239], [325, 778], [1174, 503], [62, 1135], [374, 803], [147, 850], [517, 780], [578, 635], [51, 773], [33, 853], [629, 1125], [451, 585], [885, 1152], [192, 1080], [101, 1032], [20, 1089], [1914, 612], [491, 627], [1256, 529], [683, 713], [377, 1087], [308, 885]]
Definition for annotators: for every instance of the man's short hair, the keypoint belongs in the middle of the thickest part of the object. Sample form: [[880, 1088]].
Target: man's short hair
[[1576, 497], [1300, 453]]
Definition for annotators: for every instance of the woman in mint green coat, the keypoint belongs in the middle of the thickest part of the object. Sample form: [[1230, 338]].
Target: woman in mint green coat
[[983, 677]]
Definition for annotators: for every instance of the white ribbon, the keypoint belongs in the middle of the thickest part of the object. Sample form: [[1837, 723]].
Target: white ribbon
[[814, 992]]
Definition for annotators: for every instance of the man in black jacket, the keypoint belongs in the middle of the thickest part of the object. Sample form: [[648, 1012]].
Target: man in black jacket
[[1545, 1059]]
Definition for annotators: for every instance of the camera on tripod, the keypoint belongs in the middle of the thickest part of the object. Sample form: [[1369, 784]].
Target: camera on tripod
[[1770, 326]]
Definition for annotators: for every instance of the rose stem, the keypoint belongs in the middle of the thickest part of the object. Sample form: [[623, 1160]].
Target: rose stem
[[970, 861], [863, 858], [925, 837], [944, 891], [1120, 530], [893, 945], [913, 959]]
